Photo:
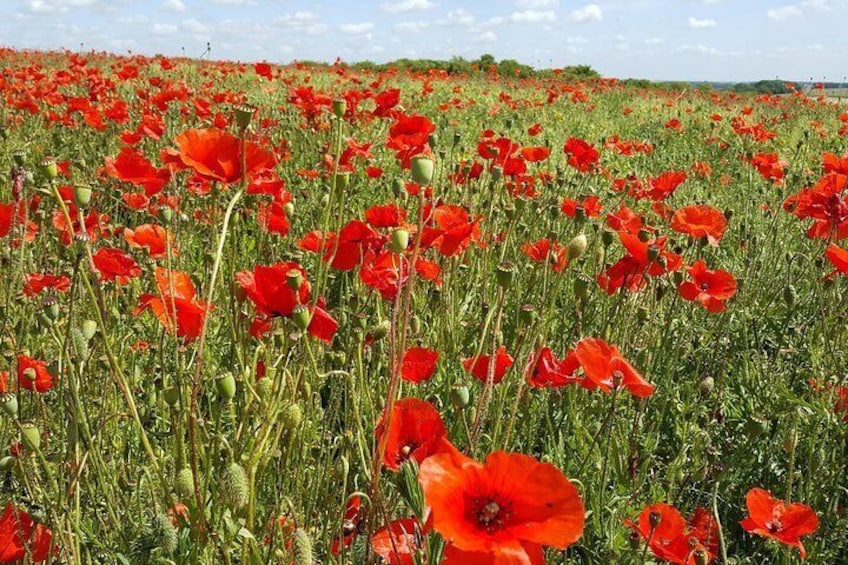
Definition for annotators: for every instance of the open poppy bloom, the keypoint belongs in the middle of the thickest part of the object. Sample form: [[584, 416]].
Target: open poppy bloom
[[607, 369], [20, 537], [418, 364], [175, 305], [581, 155], [350, 525], [415, 432], [152, 237], [398, 542], [700, 221], [34, 283], [671, 538], [643, 259], [216, 155], [710, 288], [269, 289], [775, 519], [115, 265], [33, 374], [544, 370], [479, 366], [838, 257], [502, 511]]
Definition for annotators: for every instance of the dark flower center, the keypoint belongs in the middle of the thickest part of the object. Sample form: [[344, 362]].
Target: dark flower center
[[774, 526], [490, 514], [704, 286]]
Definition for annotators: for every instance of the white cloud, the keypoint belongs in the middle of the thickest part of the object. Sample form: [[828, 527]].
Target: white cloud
[[356, 29], [194, 26], [532, 17], [576, 40], [174, 5], [163, 29], [457, 18], [414, 27], [537, 4], [301, 22], [487, 37], [406, 6], [588, 13], [784, 13], [695, 23], [654, 41]]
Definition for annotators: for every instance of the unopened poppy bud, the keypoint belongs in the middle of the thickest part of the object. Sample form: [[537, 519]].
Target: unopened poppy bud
[[505, 273], [29, 375], [400, 240], [226, 386], [706, 386], [607, 237], [89, 328], [422, 168], [457, 137], [294, 279], [579, 213], [433, 140], [6, 463], [31, 436], [643, 235], [581, 286], [577, 247], [339, 107], [49, 168], [172, 395], [654, 519], [51, 307], [4, 130], [416, 324], [635, 540], [728, 214], [288, 208], [509, 210], [9, 402], [642, 313], [677, 277], [292, 417], [82, 195], [397, 188], [381, 330], [19, 156], [342, 180], [244, 115], [790, 295], [756, 426], [301, 316], [460, 396]]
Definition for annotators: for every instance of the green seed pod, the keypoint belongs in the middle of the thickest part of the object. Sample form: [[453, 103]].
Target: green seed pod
[[172, 395], [301, 316], [48, 168], [31, 436], [790, 295], [234, 487], [9, 403], [184, 484], [460, 396], [756, 426], [381, 330], [292, 417], [288, 207], [163, 534], [504, 274], [226, 386], [398, 188], [342, 181], [302, 545], [527, 314], [577, 247], [642, 313], [607, 237], [643, 235], [167, 214], [416, 324], [19, 156], [422, 169], [581, 286], [339, 107], [51, 307], [244, 115], [496, 172]]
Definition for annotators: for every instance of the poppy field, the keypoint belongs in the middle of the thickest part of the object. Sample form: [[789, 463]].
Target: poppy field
[[325, 314]]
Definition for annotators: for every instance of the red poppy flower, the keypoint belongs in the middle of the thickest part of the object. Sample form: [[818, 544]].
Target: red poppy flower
[[33, 374], [385, 215], [273, 218], [350, 525], [134, 168], [398, 542], [115, 265], [152, 237], [452, 230], [769, 165], [605, 367], [581, 155], [502, 511], [700, 221], [663, 186], [175, 305], [643, 259], [590, 207], [409, 136], [416, 432], [216, 155], [546, 371], [389, 272], [479, 366], [20, 537], [268, 288], [544, 250], [711, 288], [34, 283], [671, 538], [838, 258], [419, 364], [775, 519]]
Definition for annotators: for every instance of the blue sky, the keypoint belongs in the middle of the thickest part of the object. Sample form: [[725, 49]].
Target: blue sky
[[718, 40]]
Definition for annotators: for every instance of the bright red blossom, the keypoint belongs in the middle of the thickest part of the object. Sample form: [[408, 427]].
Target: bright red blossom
[[710, 288], [775, 519]]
